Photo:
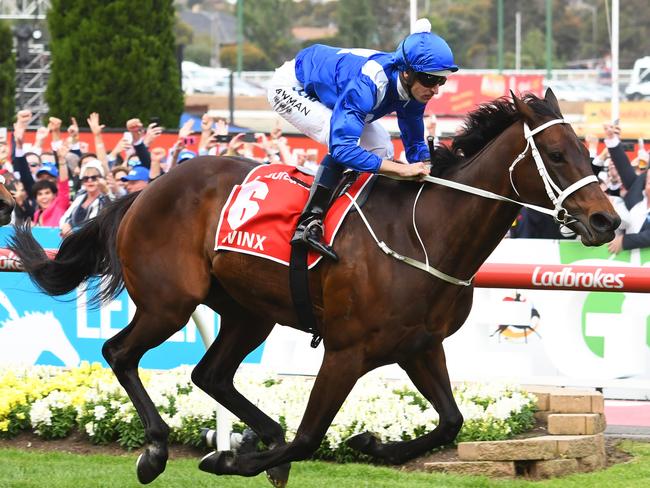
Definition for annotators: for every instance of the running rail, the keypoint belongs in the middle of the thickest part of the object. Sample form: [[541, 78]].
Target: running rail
[[520, 276]]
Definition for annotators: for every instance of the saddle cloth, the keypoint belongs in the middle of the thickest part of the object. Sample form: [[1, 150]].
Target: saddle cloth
[[261, 214]]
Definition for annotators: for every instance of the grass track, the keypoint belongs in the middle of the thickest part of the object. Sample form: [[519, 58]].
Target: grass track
[[23, 469]]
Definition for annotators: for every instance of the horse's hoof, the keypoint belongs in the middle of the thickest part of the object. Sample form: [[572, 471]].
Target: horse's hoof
[[148, 466], [365, 443], [278, 476], [218, 462]]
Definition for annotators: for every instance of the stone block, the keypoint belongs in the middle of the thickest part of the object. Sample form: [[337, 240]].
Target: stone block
[[543, 398], [542, 416], [576, 401], [511, 450], [576, 423], [563, 403], [592, 463], [578, 446], [553, 467], [598, 403], [493, 469]]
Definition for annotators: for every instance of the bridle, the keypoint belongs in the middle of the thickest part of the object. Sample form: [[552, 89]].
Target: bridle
[[555, 194]]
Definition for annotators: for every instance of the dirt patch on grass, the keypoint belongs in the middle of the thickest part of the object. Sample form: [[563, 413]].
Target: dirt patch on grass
[[78, 443]]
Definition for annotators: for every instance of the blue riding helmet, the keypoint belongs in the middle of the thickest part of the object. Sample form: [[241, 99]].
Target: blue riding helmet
[[425, 52]]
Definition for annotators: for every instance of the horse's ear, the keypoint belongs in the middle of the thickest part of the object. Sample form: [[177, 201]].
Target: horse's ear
[[522, 108], [550, 98]]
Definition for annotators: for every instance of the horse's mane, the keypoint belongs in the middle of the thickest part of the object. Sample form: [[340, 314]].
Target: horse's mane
[[483, 125]]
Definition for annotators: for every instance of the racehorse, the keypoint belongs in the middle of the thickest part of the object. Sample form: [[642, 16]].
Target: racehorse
[[7, 203], [372, 310]]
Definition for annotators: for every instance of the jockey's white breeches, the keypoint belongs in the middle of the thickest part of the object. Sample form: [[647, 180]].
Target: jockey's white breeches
[[288, 98]]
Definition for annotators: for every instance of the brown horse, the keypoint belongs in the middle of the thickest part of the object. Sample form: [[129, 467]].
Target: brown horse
[[7, 203], [373, 310]]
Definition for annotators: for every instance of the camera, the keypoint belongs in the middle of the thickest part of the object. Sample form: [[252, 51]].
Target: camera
[[248, 137], [155, 121], [223, 137]]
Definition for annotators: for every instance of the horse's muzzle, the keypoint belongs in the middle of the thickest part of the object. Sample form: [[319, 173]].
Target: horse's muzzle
[[598, 229]]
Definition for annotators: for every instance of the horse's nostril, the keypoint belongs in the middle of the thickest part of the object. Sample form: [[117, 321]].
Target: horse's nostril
[[604, 222]]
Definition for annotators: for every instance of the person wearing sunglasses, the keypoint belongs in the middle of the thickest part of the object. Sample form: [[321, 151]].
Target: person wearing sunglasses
[[336, 96], [92, 197]]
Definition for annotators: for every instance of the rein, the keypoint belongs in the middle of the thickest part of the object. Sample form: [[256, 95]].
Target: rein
[[555, 194]]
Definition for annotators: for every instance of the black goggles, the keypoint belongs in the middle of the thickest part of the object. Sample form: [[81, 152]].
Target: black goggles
[[429, 81]]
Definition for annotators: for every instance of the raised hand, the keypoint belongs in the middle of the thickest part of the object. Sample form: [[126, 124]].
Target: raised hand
[[73, 130], [153, 131], [23, 117], [41, 134], [135, 127], [93, 122], [186, 130], [206, 123]]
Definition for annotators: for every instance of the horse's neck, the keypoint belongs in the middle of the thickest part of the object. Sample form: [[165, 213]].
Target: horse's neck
[[473, 226]]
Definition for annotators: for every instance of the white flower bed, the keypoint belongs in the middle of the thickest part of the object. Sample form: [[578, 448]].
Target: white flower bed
[[90, 399]]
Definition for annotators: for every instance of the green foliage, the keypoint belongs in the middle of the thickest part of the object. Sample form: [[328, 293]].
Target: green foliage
[[131, 433], [7, 76], [197, 53], [100, 419], [357, 24], [18, 420], [253, 58], [64, 420], [116, 58], [268, 23]]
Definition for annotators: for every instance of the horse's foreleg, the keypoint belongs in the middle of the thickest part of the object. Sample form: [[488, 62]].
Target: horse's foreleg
[[123, 353], [239, 334], [338, 374], [428, 371]]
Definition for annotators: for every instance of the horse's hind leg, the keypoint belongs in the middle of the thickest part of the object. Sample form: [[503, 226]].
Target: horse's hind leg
[[428, 371], [123, 353], [239, 334], [338, 374]]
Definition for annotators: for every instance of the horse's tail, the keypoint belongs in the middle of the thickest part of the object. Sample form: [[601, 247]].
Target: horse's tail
[[89, 251]]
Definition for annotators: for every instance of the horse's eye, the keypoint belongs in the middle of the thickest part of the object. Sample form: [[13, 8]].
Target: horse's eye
[[555, 156]]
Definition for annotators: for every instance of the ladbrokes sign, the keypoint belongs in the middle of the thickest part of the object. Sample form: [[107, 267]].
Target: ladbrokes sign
[[568, 278]]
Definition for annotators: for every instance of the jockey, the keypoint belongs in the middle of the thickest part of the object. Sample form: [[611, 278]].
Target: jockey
[[335, 96]]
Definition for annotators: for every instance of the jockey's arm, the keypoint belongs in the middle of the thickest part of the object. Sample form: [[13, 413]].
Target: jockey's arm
[[401, 170], [411, 126]]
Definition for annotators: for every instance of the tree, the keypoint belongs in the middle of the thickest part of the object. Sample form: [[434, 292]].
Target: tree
[[115, 57], [267, 23], [7, 76], [253, 58], [357, 25]]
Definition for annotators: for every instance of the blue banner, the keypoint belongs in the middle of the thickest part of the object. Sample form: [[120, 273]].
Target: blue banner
[[63, 331]]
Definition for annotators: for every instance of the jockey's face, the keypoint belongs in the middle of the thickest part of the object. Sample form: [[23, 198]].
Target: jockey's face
[[420, 92]]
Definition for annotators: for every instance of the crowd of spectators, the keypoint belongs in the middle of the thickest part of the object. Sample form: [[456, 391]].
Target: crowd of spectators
[[66, 182]]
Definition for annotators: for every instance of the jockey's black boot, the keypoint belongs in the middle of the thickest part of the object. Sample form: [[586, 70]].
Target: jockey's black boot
[[309, 230], [310, 224]]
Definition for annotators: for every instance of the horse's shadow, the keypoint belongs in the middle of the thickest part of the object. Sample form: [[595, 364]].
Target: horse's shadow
[[23, 339]]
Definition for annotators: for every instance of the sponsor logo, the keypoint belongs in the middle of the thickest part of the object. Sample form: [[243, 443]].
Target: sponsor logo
[[280, 175], [570, 279], [250, 240], [285, 102], [10, 262]]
